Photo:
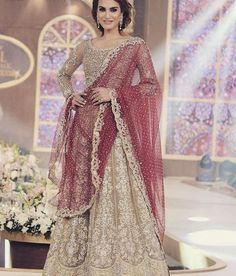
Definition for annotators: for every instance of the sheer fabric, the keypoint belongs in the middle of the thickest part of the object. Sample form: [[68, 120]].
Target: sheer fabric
[[84, 140], [115, 237]]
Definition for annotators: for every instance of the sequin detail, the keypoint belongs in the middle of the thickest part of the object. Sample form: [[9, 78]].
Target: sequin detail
[[72, 63], [116, 238], [95, 61]]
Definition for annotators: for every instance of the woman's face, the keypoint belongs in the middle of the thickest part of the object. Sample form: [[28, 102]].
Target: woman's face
[[109, 14]]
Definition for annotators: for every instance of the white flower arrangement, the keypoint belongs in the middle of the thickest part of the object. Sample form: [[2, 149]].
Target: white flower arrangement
[[35, 222], [18, 171], [24, 194]]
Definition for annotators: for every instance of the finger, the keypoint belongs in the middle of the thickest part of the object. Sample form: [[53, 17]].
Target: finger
[[97, 99], [94, 96], [95, 91], [97, 102], [79, 105], [80, 102], [74, 106], [83, 94], [79, 97]]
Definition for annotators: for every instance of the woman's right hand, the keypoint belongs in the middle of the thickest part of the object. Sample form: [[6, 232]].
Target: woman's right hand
[[78, 100]]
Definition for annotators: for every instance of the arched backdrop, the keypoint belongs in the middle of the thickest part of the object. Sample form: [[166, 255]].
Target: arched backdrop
[[56, 40]]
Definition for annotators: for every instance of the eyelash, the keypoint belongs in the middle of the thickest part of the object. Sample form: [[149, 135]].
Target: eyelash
[[112, 9]]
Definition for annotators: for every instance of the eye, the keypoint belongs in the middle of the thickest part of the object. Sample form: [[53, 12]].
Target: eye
[[101, 9], [114, 9]]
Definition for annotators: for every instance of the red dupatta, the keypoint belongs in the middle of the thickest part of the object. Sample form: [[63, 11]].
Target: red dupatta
[[84, 138]]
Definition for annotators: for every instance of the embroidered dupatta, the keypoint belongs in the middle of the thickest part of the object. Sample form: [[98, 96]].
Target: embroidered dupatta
[[84, 138]]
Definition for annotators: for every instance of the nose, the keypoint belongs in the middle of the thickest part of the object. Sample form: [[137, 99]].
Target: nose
[[107, 15]]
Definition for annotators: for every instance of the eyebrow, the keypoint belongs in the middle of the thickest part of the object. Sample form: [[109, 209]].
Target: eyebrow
[[109, 8]]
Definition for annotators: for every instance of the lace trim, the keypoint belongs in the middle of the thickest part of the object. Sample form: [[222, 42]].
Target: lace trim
[[59, 134], [96, 179], [127, 145]]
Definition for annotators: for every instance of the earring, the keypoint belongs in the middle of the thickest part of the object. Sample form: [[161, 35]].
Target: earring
[[98, 25], [121, 23]]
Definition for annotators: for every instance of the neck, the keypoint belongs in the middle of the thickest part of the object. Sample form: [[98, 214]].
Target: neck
[[111, 34]]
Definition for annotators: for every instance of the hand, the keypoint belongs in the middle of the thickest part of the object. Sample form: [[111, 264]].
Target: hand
[[100, 95], [78, 100]]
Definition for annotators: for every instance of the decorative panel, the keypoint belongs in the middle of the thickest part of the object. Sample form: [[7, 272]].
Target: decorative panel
[[200, 80]]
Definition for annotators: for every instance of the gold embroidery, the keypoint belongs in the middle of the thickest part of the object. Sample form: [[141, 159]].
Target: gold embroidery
[[95, 63], [115, 238], [69, 67], [126, 140], [95, 74]]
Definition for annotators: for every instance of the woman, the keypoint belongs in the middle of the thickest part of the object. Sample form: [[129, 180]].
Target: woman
[[110, 201]]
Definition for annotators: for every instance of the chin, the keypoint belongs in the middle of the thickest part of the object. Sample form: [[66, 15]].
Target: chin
[[108, 28]]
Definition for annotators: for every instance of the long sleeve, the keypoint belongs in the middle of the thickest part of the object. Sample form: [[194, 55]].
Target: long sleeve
[[65, 73], [148, 84]]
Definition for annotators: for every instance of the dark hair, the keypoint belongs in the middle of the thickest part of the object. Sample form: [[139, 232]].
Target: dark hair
[[126, 9]]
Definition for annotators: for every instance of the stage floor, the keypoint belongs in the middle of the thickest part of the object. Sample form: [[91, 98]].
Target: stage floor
[[204, 219], [196, 216]]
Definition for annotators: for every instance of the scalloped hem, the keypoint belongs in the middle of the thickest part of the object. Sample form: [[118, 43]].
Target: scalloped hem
[[148, 267]]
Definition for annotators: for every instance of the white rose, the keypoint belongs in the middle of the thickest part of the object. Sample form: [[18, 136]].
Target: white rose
[[7, 168], [27, 171], [2, 157], [45, 221], [40, 208], [16, 165], [40, 220], [1, 166], [43, 229], [10, 224], [48, 221], [32, 213], [34, 222], [2, 219], [22, 218], [32, 159], [9, 155], [14, 174], [24, 229], [24, 170], [52, 229], [30, 172]]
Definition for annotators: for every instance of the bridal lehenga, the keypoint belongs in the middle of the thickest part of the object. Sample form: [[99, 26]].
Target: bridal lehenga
[[113, 229]]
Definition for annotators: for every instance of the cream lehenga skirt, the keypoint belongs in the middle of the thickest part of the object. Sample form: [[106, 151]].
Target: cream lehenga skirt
[[115, 237]]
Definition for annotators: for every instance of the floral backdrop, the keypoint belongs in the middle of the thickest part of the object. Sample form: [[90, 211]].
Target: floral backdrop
[[26, 195]]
